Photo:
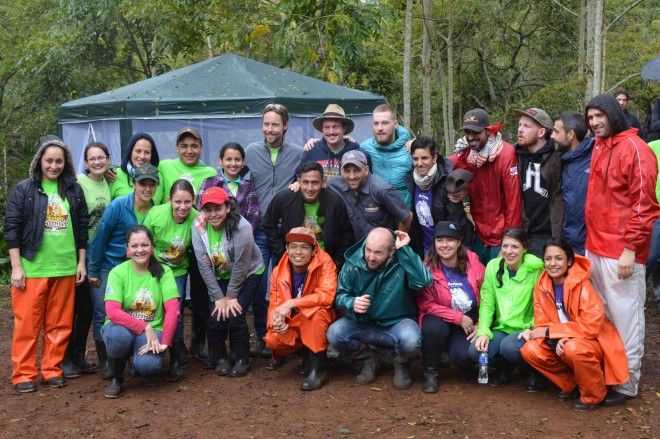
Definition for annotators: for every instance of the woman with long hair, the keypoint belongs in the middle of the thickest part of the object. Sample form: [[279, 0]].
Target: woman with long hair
[[141, 150], [231, 265], [46, 232], [142, 305], [573, 343], [506, 307], [448, 307], [171, 225]]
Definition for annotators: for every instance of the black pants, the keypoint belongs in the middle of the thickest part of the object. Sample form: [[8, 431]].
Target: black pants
[[439, 336], [82, 320], [536, 244], [235, 327], [199, 298]]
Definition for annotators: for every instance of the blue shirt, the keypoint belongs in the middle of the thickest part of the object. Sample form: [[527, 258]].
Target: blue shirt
[[559, 302]]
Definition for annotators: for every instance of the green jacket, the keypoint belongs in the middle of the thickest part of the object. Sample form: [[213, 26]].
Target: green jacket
[[392, 288], [508, 308]]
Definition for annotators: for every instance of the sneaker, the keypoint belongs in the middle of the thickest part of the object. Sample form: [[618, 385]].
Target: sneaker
[[579, 405], [224, 367], [113, 389], [55, 382], [241, 368], [25, 387], [614, 398], [70, 370]]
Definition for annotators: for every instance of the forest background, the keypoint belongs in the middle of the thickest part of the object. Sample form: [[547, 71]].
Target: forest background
[[432, 59]]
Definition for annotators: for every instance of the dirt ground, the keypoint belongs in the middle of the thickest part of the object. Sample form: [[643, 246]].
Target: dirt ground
[[269, 404]]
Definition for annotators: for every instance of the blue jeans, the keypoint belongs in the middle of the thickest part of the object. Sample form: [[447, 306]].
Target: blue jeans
[[98, 305], [260, 304], [121, 343], [502, 347], [348, 336], [652, 265], [181, 286]]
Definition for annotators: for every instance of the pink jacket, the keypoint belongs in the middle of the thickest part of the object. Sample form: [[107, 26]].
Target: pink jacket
[[436, 298]]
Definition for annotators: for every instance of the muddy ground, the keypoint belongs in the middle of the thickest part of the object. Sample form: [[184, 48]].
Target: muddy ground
[[269, 405]]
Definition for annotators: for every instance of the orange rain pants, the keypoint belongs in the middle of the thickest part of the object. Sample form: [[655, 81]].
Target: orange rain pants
[[580, 364], [302, 331], [44, 303]]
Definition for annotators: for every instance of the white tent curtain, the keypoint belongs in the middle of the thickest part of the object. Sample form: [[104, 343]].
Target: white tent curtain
[[215, 133]]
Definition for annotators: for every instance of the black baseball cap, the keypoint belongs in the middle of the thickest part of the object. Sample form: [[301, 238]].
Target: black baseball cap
[[447, 229], [475, 120]]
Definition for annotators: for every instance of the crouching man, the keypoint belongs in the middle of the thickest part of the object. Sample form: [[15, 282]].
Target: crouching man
[[302, 291], [376, 295]]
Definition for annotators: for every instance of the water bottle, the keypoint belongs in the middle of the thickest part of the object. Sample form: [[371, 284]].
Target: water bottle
[[483, 368]]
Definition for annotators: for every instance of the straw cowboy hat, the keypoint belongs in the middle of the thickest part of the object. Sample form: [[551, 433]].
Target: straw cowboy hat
[[334, 112]]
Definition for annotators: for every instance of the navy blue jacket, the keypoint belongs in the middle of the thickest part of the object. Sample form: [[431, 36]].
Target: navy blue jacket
[[574, 182]]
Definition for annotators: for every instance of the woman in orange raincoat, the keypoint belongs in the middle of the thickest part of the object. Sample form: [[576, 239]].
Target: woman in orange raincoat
[[302, 291], [573, 343]]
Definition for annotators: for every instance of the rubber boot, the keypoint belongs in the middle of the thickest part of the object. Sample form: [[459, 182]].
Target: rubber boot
[[176, 362], [103, 359], [116, 367], [369, 369], [401, 379], [316, 376], [430, 380]]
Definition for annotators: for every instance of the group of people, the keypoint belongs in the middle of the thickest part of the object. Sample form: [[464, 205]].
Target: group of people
[[530, 257]]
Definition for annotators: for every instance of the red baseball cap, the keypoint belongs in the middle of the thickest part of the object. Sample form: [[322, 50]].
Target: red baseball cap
[[214, 195]]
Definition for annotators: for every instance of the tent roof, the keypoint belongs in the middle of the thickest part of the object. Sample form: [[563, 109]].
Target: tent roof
[[224, 85]]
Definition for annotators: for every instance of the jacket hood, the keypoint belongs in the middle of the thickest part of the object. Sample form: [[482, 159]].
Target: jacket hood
[[245, 173], [131, 144], [402, 136], [444, 167], [578, 273], [608, 105], [43, 143], [582, 150]]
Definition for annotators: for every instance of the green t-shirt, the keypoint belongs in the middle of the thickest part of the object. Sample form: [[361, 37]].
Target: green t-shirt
[[313, 221], [141, 295], [123, 186], [172, 240], [274, 152], [140, 216], [655, 146], [173, 169], [219, 254], [57, 255], [97, 197]]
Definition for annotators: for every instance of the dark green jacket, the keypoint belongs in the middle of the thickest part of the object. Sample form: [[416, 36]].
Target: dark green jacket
[[392, 288]]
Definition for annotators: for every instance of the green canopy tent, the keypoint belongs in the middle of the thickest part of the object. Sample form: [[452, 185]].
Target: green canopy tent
[[222, 97]]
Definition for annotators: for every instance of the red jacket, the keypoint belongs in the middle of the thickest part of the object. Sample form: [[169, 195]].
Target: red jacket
[[621, 205], [436, 298], [495, 194]]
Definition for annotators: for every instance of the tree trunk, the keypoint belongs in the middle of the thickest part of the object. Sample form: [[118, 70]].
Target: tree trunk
[[427, 128], [597, 84], [582, 37], [589, 54], [449, 105], [407, 58]]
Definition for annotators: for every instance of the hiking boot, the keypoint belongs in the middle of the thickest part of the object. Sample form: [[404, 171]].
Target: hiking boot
[[430, 380], [316, 376], [70, 369], [241, 368], [401, 379], [614, 398], [260, 349], [223, 367], [569, 396], [275, 363], [25, 387], [369, 369], [103, 360], [55, 382], [579, 405], [176, 362], [536, 382]]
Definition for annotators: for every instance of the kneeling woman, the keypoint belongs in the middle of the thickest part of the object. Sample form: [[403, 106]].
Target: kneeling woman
[[506, 307], [142, 305], [573, 343], [448, 308], [231, 265]]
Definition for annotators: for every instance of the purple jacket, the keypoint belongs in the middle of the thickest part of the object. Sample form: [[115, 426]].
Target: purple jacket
[[246, 196]]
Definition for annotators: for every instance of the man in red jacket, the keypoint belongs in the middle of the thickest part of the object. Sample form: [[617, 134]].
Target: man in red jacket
[[620, 210], [495, 194]]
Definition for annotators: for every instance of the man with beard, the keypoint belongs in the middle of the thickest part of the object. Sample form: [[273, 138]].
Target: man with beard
[[376, 296], [272, 163], [539, 167], [314, 207], [569, 133], [619, 214], [495, 197], [624, 98], [390, 160]]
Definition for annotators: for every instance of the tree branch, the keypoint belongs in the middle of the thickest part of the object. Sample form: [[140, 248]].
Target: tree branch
[[622, 81], [624, 12], [566, 8]]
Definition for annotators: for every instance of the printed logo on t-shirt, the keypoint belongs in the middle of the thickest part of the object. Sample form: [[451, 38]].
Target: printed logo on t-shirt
[[314, 223], [423, 209], [143, 307], [96, 213], [219, 259], [533, 180], [460, 300], [175, 252], [56, 215], [513, 171]]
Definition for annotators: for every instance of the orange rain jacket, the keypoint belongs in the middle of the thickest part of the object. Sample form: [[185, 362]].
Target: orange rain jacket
[[586, 313], [315, 312]]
